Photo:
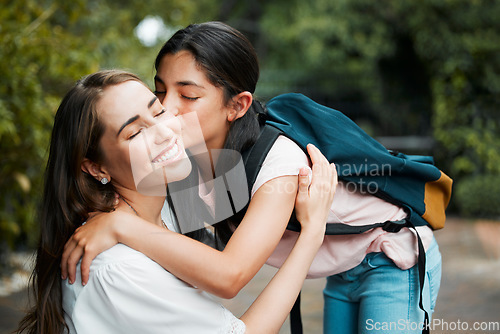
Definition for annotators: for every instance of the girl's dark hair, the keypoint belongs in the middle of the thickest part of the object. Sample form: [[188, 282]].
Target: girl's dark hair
[[69, 194], [230, 62]]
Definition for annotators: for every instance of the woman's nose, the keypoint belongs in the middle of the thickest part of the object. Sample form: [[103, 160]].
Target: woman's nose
[[162, 132]]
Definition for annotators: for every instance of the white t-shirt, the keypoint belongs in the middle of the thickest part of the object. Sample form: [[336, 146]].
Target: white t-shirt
[[129, 293]]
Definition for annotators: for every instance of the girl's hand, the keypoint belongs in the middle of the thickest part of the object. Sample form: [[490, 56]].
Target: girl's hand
[[88, 241], [315, 197], [312, 205]]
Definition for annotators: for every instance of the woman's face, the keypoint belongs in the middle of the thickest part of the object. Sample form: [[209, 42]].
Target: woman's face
[[182, 87], [141, 144]]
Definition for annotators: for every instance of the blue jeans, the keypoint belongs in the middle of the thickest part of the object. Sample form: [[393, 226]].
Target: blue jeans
[[378, 297]]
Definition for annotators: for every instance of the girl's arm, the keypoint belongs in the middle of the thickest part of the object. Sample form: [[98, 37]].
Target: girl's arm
[[221, 273], [270, 309]]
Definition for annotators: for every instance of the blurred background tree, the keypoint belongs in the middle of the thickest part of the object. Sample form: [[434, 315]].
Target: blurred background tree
[[45, 47], [427, 68]]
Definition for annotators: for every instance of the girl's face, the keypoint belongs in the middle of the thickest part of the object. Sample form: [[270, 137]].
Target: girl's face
[[182, 87], [141, 144]]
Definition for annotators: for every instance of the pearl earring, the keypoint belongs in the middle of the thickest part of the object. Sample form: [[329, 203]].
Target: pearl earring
[[104, 180]]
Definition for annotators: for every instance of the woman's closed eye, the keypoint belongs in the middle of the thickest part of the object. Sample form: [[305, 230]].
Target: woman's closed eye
[[134, 134], [162, 112]]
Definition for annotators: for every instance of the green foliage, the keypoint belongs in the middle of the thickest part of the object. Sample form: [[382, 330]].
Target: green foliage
[[46, 46], [426, 67], [466, 88], [477, 196], [407, 59], [33, 68]]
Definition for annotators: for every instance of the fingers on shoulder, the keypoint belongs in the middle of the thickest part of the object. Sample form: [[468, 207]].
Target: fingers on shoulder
[[324, 173], [316, 155]]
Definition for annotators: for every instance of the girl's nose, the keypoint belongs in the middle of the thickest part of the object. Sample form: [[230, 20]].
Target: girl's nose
[[169, 105]]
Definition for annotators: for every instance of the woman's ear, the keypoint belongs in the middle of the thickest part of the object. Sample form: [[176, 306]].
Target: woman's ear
[[95, 170], [241, 103]]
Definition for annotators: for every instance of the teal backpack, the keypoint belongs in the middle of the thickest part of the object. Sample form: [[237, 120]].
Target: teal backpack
[[411, 182]]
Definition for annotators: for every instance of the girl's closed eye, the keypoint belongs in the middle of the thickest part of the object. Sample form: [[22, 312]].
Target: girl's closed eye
[[190, 98]]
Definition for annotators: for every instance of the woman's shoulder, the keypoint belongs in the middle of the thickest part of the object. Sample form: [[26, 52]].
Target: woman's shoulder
[[106, 269], [119, 253], [119, 266]]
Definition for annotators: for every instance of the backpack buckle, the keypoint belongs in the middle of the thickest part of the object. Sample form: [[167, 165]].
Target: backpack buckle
[[394, 226]]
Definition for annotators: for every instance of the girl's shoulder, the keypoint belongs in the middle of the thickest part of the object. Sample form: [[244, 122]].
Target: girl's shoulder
[[285, 150], [285, 158]]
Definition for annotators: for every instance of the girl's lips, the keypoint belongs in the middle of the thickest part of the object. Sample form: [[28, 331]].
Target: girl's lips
[[170, 153]]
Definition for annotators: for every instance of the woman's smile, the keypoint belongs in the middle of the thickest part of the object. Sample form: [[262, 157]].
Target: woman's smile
[[170, 154]]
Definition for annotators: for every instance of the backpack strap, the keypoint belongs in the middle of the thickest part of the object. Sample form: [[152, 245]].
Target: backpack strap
[[421, 279], [253, 160], [255, 156], [343, 229]]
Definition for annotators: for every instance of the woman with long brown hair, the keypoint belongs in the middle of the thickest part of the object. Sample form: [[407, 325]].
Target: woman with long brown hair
[[108, 128]]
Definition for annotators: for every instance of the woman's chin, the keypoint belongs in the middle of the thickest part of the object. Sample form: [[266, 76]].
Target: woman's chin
[[177, 171], [155, 183]]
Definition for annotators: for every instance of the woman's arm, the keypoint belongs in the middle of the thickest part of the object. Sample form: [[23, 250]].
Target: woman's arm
[[221, 273], [270, 309]]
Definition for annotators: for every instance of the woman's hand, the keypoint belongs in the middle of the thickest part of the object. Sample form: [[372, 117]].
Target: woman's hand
[[88, 241], [312, 205], [315, 197]]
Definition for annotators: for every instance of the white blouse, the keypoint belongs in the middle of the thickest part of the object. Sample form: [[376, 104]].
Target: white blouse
[[127, 292]]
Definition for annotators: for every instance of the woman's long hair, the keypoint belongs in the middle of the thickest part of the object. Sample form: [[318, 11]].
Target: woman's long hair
[[230, 62], [69, 194]]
